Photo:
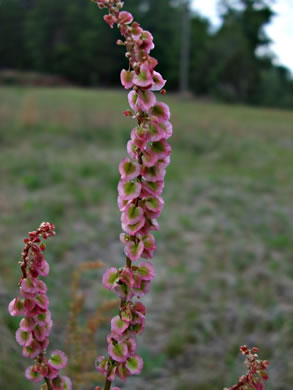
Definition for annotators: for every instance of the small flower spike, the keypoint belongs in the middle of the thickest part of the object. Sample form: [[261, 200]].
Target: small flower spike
[[256, 375], [36, 324]]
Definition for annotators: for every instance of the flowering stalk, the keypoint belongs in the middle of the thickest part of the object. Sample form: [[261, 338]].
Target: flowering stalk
[[139, 192], [256, 374], [36, 324]]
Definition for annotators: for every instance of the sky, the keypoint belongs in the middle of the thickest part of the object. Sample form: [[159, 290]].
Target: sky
[[280, 30]]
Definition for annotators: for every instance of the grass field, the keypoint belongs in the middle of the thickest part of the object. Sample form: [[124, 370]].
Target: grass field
[[225, 250]]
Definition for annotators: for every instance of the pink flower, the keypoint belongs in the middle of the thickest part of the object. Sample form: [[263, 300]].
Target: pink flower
[[32, 350], [32, 375], [132, 214], [133, 229], [126, 78], [27, 324], [134, 364], [144, 78], [125, 17], [129, 190], [117, 325], [158, 82], [146, 271], [57, 360], [129, 169], [146, 41], [111, 278], [160, 111], [118, 351], [16, 307], [145, 100], [134, 250], [24, 338], [110, 19], [67, 383]]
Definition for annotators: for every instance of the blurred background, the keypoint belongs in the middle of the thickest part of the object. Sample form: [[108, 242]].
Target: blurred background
[[224, 258]]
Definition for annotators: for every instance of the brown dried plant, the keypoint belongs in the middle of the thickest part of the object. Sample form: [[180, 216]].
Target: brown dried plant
[[80, 342]]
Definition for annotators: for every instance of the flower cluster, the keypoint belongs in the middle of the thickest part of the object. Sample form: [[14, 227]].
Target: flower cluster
[[139, 191], [256, 374], [36, 324]]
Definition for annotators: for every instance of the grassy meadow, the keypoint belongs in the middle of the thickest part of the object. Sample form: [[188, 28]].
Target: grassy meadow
[[224, 257]]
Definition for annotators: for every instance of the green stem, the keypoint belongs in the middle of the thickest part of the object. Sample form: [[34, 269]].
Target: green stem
[[49, 385], [107, 385]]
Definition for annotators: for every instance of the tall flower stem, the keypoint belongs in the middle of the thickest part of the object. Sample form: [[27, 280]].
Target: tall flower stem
[[139, 192]]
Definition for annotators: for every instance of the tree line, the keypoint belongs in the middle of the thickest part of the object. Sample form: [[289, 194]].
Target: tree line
[[69, 38]]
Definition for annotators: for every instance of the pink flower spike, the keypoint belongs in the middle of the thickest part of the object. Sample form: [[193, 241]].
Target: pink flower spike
[[129, 190], [158, 82], [126, 78], [129, 169], [146, 100], [57, 360], [16, 307], [67, 383], [32, 375], [118, 352], [125, 17], [146, 271], [23, 338], [134, 364], [118, 326], [134, 250], [160, 111], [111, 278], [144, 78], [116, 388]]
